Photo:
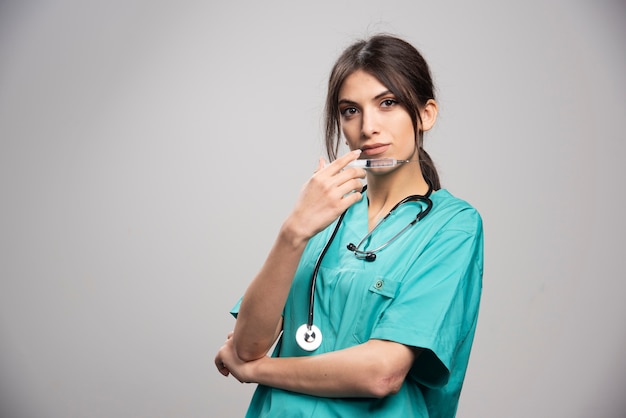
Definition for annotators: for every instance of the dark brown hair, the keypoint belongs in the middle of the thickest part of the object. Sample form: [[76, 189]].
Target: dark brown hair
[[399, 67]]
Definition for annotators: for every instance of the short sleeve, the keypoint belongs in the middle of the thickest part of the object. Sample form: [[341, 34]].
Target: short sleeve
[[437, 305], [235, 309]]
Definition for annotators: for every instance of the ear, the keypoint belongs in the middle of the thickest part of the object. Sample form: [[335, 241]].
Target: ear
[[429, 114]]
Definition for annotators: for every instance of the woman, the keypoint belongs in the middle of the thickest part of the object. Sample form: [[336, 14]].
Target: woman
[[375, 290]]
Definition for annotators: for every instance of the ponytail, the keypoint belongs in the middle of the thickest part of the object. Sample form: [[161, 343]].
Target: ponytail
[[428, 169]]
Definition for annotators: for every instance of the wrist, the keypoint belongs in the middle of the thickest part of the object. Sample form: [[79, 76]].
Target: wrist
[[293, 233], [252, 370]]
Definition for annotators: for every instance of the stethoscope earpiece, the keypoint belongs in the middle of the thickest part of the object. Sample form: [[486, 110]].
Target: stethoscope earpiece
[[363, 255]]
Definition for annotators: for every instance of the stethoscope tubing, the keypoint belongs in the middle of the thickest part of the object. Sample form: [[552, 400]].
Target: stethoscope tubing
[[318, 263]]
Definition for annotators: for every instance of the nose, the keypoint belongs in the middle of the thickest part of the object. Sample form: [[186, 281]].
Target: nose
[[369, 124]]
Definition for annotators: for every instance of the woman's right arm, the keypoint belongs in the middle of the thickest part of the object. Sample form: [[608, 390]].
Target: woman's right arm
[[329, 192]]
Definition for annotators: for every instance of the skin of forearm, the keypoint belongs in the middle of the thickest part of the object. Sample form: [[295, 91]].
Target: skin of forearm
[[260, 314], [374, 369]]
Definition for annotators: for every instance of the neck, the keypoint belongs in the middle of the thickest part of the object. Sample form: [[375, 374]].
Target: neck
[[385, 190]]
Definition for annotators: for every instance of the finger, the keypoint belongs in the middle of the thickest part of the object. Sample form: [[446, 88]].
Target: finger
[[348, 177], [321, 163], [341, 162], [350, 186], [350, 173], [221, 367], [224, 371], [351, 198]]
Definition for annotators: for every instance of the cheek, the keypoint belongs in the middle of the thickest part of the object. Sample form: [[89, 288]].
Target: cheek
[[350, 133], [406, 125]]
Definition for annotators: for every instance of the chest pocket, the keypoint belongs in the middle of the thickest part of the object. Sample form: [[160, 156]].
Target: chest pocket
[[380, 293]]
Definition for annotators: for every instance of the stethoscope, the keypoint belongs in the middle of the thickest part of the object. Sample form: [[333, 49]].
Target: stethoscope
[[309, 336]]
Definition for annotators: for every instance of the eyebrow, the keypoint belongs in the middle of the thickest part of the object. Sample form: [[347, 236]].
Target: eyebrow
[[378, 96]]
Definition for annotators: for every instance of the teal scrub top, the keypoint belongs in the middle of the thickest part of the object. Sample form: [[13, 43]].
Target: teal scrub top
[[423, 290]]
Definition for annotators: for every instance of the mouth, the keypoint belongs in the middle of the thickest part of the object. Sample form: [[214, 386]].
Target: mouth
[[374, 149]]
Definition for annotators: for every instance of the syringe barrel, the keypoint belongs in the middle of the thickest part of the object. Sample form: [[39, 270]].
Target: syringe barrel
[[374, 163]]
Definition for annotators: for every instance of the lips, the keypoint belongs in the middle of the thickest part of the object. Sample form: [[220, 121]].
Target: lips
[[374, 149]]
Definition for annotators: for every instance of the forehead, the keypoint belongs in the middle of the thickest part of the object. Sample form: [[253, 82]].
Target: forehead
[[361, 85]]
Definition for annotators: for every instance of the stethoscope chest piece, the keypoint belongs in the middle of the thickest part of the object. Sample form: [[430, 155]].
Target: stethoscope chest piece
[[309, 339]]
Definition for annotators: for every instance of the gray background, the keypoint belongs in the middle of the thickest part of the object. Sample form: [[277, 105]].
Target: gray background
[[150, 150]]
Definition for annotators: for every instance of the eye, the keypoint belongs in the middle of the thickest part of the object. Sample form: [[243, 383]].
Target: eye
[[348, 111], [389, 102]]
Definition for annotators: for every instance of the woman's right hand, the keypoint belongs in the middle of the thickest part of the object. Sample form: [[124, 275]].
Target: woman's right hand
[[329, 192]]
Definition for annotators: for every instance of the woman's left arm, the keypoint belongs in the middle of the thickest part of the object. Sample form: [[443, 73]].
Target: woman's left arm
[[376, 369]]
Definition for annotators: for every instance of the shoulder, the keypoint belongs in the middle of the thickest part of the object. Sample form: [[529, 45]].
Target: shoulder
[[452, 213]]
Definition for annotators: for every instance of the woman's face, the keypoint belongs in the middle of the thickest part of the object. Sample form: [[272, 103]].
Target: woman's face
[[372, 120]]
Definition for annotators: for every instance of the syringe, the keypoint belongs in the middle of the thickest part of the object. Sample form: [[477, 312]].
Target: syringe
[[377, 163]]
